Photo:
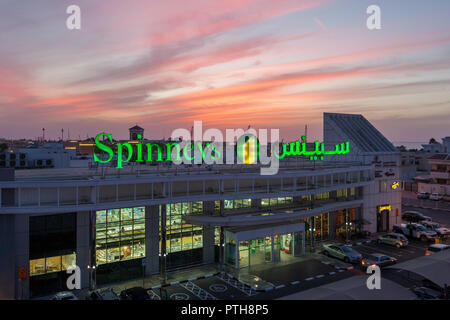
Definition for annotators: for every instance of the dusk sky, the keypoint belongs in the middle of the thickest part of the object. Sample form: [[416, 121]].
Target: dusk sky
[[270, 64]]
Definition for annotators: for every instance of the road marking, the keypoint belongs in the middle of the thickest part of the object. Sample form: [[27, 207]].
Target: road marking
[[375, 249]]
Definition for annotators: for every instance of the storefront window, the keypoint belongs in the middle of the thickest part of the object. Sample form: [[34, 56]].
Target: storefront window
[[52, 264], [181, 236], [68, 261], [121, 236], [37, 266]]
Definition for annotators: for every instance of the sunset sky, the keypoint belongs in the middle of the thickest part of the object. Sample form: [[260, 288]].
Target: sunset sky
[[270, 64]]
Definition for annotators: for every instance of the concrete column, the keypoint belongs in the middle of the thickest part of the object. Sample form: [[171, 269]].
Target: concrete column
[[83, 246], [152, 239], [222, 247], [256, 203], [208, 208], [237, 254], [21, 246], [8, 273], [208, 244]]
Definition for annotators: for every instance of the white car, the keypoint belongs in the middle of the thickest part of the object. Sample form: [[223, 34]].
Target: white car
[[435, 196], [64, 295], [433, 226]]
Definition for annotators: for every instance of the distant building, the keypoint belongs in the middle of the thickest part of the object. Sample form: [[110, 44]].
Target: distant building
[[435, 147], [438, 181], [414, 163], [446, 144], [135, 131]]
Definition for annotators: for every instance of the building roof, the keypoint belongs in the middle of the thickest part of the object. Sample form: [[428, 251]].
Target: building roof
[[136, 127], [433, 267], [360, 132], [354, 288]]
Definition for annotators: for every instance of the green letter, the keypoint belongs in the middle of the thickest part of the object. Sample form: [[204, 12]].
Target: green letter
[[103, 147], [185, 151], [169, 146], [149, 151], [120, 151]]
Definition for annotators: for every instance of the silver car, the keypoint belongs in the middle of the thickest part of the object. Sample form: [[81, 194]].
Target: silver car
[[342, 252], [378, 259], [393, 239]]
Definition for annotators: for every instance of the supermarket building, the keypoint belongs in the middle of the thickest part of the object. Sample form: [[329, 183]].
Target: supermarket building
[[123, 225]]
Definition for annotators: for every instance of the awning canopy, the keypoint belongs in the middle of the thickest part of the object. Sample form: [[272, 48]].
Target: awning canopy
[[354, 288], [254, 232], [435, 267]]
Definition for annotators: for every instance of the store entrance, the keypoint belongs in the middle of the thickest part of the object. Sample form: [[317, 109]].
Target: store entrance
[[383, 221], [246, 247]]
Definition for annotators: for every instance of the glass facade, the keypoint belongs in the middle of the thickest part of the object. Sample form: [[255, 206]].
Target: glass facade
[[52, 251], [234, 204], [276, 201], [120, 234], [184, 242]]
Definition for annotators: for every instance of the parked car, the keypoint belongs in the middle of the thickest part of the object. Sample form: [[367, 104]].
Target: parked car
[[378, 259], [423, 195], [434, 226], [436, 196], [135, 293], [425, 293], [394, 239], [64, 295], [342, 252], [414, 230], [105, 294], [438, 247], [414, 216]]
